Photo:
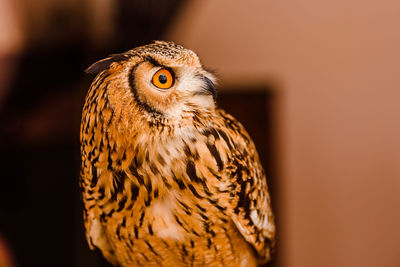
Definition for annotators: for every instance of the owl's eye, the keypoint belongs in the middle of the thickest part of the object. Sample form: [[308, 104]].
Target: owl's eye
[[163, 79]]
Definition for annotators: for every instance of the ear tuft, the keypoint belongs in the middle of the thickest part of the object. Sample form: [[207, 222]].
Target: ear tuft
[[104, 64]]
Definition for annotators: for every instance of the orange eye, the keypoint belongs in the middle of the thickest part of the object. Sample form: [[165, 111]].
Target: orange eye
[[163, 79]]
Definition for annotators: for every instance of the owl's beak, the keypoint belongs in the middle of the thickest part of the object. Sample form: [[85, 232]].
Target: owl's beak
[[210, 88]]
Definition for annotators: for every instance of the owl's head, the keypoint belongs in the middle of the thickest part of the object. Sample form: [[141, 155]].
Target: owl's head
[[158, 80]]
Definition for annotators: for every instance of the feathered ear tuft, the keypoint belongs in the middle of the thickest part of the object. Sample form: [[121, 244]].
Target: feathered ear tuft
[[104, 64]]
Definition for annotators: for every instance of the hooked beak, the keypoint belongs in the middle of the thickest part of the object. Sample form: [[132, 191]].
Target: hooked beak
[[210, 88]]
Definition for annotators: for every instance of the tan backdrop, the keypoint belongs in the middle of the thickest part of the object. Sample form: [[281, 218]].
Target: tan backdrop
[[336, 66]]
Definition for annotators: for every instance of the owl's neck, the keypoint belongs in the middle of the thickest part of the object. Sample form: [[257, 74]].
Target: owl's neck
[[148, 158]]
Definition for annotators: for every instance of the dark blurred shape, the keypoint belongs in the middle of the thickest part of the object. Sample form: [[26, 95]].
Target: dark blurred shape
[[141, 22], [40, 205]]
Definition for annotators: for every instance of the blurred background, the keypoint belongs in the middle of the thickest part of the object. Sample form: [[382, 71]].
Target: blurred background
[[316, 83]]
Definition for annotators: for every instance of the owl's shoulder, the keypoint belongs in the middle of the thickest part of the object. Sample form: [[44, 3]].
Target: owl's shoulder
[[250, 204], [229, 126]]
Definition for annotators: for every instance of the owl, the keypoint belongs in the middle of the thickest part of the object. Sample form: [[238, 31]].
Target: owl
[[167, 178]]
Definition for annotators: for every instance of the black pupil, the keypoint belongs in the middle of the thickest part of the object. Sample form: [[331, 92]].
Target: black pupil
[[162, 78]]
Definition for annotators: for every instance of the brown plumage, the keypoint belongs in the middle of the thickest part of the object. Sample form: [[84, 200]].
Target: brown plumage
[[167, 178]]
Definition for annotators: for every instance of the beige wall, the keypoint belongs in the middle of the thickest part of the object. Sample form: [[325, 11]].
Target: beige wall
[[337, 67]]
